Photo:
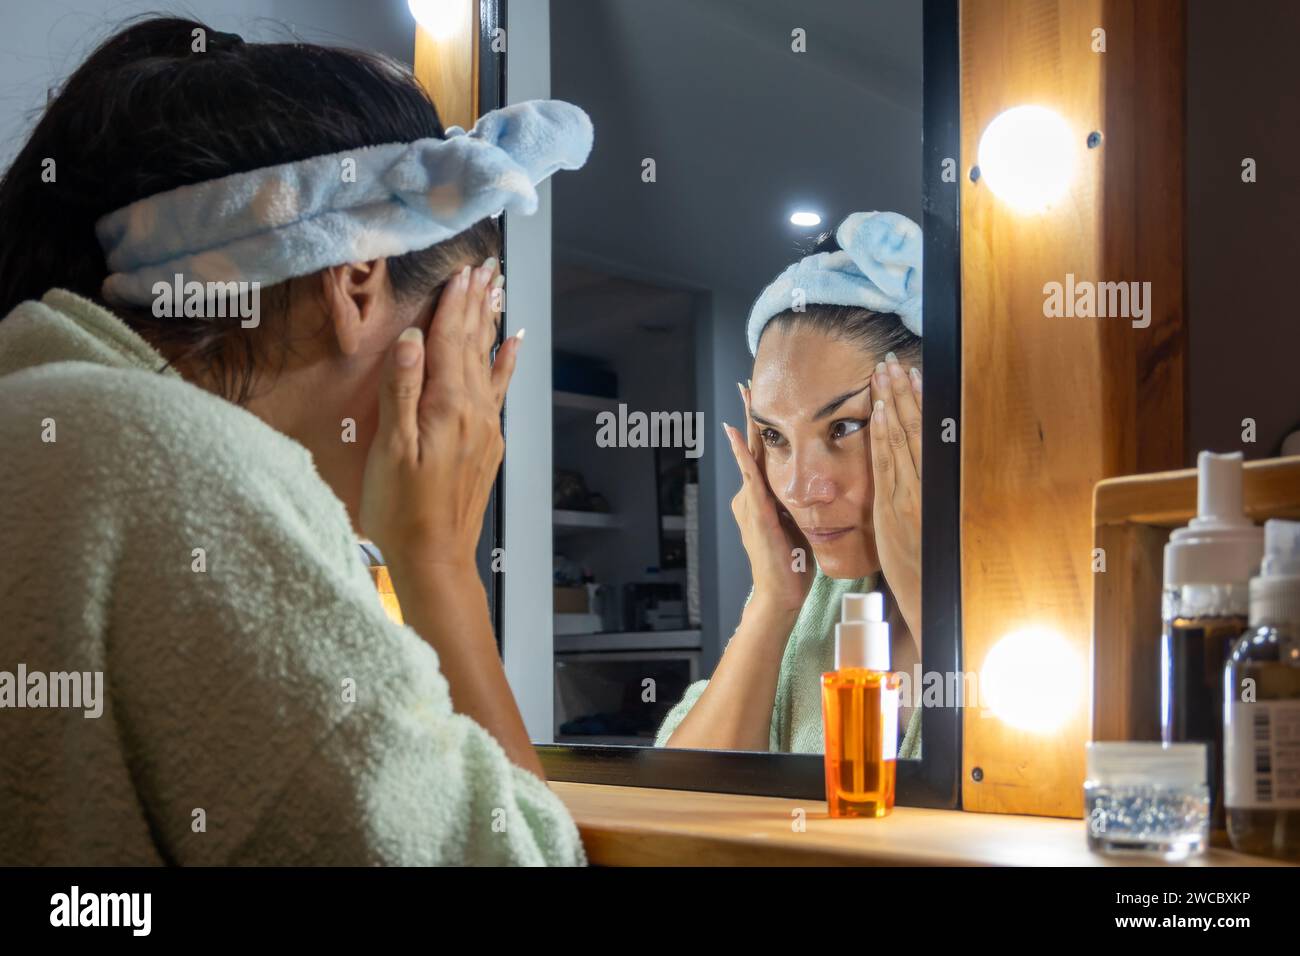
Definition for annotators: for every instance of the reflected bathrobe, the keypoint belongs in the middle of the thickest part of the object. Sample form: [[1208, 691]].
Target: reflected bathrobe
[[809, 652], [259, 706]]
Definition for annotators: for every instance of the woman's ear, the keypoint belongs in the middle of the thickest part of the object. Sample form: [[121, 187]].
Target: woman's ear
[[355, 293]]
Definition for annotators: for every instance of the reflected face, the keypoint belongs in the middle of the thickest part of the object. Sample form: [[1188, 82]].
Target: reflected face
[[811, 401]]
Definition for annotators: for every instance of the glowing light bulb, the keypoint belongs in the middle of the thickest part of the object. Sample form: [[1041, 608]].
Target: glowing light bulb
[[1032, 680], [805, 219], [1027, 157], [440, 18]]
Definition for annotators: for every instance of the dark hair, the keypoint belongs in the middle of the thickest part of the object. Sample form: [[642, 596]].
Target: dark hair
[[875, 332], [146, 113]]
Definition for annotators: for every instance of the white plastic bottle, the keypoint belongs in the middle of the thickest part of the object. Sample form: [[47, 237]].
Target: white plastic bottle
[[1207, 571]]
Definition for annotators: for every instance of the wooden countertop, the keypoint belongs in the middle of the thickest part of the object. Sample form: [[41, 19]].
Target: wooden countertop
[[635, 826]]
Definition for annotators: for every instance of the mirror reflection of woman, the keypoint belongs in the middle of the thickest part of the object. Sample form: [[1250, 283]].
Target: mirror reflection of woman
[[830, 497]]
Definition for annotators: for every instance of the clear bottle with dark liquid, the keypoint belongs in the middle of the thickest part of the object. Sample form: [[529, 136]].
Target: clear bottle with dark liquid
[[1262, 707], [1205, 607], [1202, 624]]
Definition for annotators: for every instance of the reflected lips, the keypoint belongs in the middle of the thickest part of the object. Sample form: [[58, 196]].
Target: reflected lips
[[822, 535]]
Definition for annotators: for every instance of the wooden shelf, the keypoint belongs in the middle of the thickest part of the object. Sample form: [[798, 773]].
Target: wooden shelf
[[636, 826], [1167, 499]]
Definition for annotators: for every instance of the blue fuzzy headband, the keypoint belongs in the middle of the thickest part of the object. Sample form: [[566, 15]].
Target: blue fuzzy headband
[[279, 222], [878, 267]]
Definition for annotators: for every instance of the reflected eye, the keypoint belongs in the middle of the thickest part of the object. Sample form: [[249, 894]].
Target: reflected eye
[[846, 427], [771, 437]]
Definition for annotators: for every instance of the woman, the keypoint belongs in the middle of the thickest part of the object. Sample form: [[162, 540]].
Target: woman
[[830, 501], [184, 483]]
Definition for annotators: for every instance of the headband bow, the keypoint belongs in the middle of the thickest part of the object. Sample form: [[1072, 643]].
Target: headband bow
[[279, 222], [877, 267]]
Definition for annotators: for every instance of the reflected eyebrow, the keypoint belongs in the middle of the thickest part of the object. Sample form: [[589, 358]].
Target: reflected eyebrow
[[836, 403], [825, 410]]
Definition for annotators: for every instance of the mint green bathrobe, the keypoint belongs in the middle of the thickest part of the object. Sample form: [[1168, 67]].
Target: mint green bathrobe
[[259, 705], [810, 652]]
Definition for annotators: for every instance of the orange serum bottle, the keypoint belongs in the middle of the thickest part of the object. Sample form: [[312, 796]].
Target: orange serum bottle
[[860, 712]]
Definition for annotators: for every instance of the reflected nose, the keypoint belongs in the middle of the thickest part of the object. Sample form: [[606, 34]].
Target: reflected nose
[[808, 486]]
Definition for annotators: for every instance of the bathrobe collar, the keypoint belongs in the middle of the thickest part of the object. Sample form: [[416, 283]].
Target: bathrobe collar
[[66, 327], [73, 329]]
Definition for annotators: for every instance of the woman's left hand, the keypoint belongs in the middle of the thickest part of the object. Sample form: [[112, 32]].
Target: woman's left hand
[[896, 467]]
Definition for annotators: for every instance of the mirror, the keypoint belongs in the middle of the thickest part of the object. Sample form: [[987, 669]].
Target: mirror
[[723, 130]]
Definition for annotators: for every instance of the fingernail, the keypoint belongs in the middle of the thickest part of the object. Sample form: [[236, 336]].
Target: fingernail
[[880, 369], [408, 351], [499, 281], [896, 370], [879, 406], [915, 375], [725, 428], [481, 275], [740, 388], [891, 357], [520, 334], [490, 263], [463, 278]]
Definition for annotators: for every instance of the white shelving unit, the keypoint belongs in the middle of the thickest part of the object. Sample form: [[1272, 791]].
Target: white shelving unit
[[586, 520], [629, 641], [594, 671]]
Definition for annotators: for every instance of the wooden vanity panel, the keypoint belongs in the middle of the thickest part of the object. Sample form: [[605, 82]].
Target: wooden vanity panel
[[1050, 406], [1126, 633]]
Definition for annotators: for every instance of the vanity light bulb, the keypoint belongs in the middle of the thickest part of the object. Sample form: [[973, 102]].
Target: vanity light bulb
[[806, 219], [1032, 680], [439, 18], [1027, 158]]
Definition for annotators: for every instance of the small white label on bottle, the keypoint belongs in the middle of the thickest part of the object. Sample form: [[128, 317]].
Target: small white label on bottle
[[1262, 760], [889, 707]]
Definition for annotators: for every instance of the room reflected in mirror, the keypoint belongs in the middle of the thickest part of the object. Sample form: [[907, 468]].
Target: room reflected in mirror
[[737, 371]]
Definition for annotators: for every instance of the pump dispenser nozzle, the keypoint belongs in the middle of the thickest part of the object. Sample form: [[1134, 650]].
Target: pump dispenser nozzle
[[1218, 492], [1275, 593], [1220, 545], [862, 607], [862, 636], [1281, 548]]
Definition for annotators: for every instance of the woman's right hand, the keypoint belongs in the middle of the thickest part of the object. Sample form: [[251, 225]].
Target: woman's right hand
[[435, 455], [776, 548]]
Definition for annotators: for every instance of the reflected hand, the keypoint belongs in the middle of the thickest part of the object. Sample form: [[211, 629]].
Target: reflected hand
[[773, 542], [895, 450]]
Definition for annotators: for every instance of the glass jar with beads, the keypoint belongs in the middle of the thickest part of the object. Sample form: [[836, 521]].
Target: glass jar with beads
[[1147, 799]]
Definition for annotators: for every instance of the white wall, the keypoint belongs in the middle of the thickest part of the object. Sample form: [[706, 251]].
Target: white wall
[[41, 43], [528, 642], [722, 360]]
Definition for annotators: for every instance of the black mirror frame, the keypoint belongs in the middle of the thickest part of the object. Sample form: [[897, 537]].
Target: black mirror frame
[[934, 779]]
